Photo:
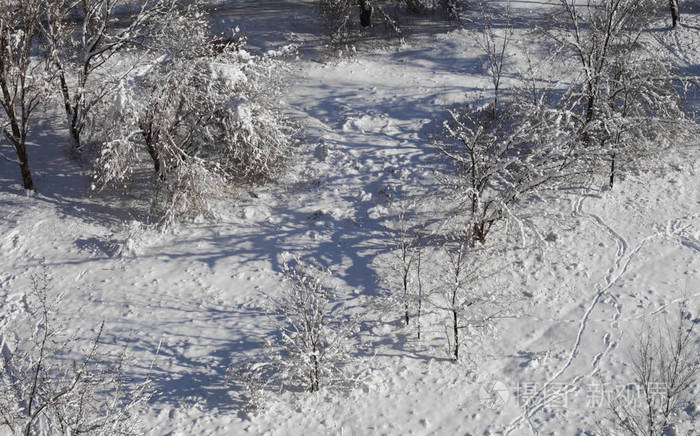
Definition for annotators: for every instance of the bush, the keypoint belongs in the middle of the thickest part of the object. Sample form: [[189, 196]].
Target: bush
[[311, 347], [204, 114], [666, 366], [48, 385]]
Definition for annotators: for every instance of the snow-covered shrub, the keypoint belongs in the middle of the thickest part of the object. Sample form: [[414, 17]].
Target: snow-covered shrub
[[204, 114], [310, 346], [336, 17], [314, 330], [500, 161], [49, 384], [666, 368], [467, 294], [626, 97], [451, 8], [253, 378]]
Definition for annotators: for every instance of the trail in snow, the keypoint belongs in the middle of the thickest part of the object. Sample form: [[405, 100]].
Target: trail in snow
[[623, 259]]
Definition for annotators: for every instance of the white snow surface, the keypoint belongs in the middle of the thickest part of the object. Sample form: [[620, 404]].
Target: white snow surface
[[630, 253]]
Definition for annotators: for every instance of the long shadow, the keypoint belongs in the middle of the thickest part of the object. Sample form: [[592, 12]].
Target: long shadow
[[59, 178], [187, 369]]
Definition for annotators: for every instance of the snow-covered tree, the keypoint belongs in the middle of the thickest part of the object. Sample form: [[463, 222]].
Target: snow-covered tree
[[310, 346], [82, 38], [204, 114], [465, 293], [627, 100], [666, 368], [501, 161], [21, 77], [404, 234], [50, 385], [494, 44], [315, 333]]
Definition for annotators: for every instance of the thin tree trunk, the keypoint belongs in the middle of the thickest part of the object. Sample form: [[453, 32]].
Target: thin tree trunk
[[70, 109], [675, 13], [420, 291], [315, 373], [612, 171], [151, 138], [407, 315], [455, 329]]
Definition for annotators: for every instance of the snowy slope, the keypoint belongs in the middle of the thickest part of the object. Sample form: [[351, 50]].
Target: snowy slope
[[621, 257]]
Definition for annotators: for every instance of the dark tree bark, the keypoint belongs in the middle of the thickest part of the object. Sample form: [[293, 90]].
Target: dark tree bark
[[455, 329], [18, 95], [18, 141], [366, 10], [315, 378], [27, 181], [675, 13], [612, 170]]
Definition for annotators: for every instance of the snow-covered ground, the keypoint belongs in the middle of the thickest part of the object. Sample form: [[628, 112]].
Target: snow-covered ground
[[620, 257]]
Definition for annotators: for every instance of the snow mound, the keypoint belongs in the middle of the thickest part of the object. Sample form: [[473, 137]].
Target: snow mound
[[371, 124]]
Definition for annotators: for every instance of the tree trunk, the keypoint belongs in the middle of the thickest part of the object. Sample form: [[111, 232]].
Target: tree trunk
[[315, 374], [407, 315], [365, 13], [150, 136], [26, 175], [455, 328], [19, 143], [70, 109], [612, 171], [675, 13], [74, 138], [479, 233]]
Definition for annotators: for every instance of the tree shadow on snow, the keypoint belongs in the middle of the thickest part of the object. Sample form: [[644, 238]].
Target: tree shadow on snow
[[61, 180]]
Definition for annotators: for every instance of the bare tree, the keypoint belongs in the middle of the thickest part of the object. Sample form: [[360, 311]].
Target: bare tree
[[48, 386], [500, 162], [627, 101], [495, 46], [594, 32], [421, 294], [463, 293], [666, 365], [405, 240], [82, 38], [21, 77], [313, 348]]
